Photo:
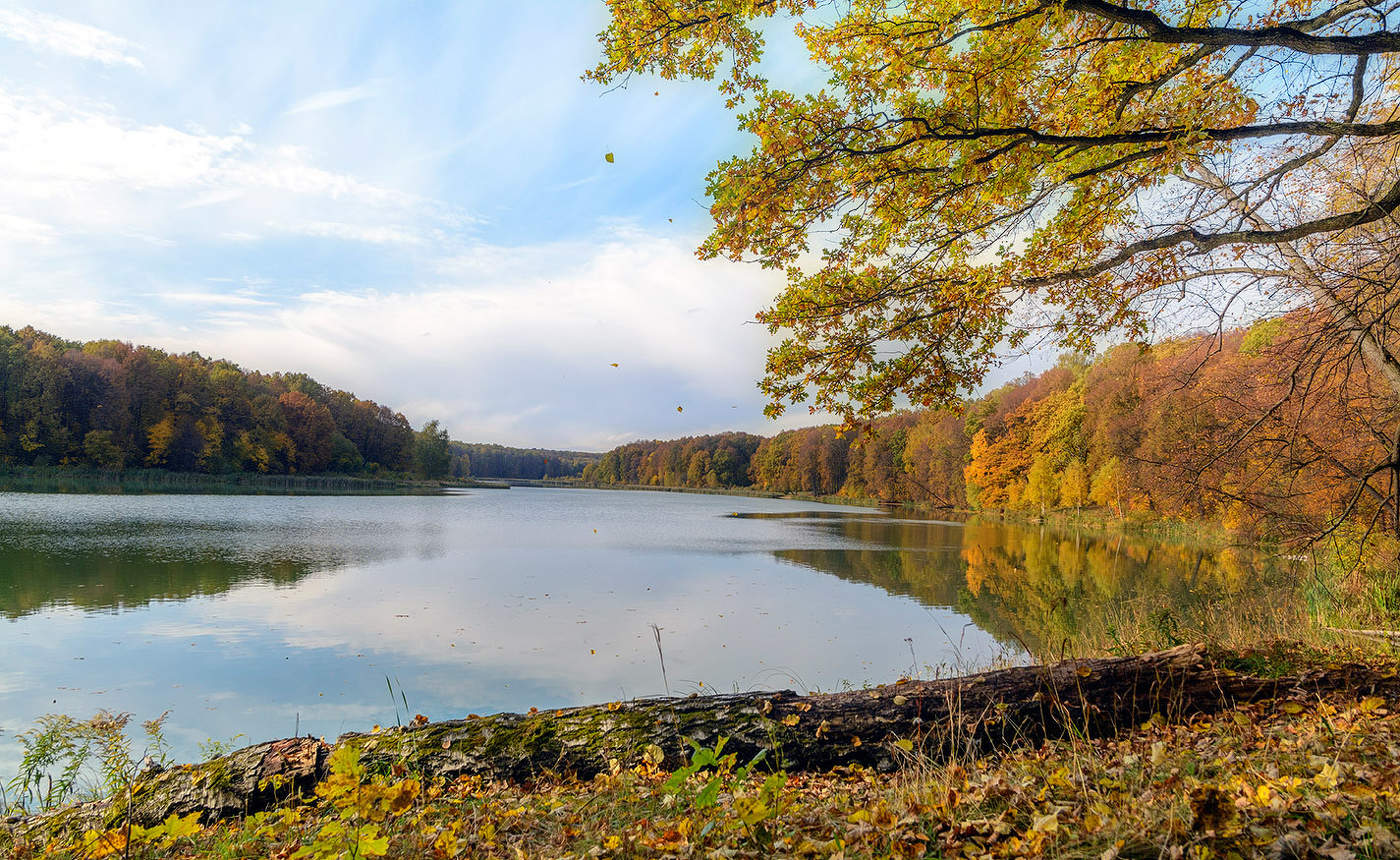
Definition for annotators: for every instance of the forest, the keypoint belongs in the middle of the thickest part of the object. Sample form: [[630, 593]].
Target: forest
[[106, 404], [481, 460], [1200, 427]]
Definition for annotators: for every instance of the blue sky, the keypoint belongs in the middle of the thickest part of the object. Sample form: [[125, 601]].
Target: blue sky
[[409, 201]]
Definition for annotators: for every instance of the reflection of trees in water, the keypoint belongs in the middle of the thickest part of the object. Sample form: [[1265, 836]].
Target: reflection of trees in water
[[1065, 592], [121, 569]]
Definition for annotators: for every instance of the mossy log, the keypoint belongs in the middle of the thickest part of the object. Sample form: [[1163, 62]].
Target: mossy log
[[244, 781], [973, 714]]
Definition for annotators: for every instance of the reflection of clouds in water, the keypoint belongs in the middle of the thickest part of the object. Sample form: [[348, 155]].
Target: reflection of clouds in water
[[219, 632], [586, 629], [509, 599]]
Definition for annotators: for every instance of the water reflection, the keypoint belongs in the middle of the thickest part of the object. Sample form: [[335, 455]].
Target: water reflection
[[1064, 592], [256, 615], [105, 554]]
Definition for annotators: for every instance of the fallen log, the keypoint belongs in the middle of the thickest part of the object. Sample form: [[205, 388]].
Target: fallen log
[[974, 714]]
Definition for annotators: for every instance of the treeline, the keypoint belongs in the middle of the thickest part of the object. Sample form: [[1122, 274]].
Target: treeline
[[1214, 426], [721, 460], [110, 405], [500, 461]]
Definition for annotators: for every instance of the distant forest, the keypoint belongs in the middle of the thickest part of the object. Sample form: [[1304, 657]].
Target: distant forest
[[110, 405], [1203, 427], [481, 460], [1163, 431]]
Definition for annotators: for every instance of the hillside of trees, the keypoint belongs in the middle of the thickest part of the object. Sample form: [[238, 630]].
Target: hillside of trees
[[722, 460], [1202, 427], [110, 405]]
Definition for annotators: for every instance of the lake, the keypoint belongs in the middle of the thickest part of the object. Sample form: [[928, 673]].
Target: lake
[[259, 617]]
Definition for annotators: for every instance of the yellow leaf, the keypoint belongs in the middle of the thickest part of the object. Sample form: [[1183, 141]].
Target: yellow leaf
[[177, 827], [791, 720], [905, 744], [1291, 708], [608, 158]]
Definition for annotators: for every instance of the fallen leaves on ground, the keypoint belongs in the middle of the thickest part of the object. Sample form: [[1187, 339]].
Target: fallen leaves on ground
[[1303, 778]]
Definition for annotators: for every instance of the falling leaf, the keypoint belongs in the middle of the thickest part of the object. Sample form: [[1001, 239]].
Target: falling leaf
[[608, 158], [680, 408], [614, 364]]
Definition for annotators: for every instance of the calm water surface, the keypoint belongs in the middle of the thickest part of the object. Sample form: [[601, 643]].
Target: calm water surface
[[256, 616]]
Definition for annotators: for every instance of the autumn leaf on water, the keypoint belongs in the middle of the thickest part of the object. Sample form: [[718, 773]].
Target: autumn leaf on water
[[614, 364], [680, 409], [608, 158]]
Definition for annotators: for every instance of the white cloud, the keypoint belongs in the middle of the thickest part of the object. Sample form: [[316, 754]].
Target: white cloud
[[13, 228], [514, 345], [335, 98], [375, 234], [83, 169], [215, 299], [63, 36]]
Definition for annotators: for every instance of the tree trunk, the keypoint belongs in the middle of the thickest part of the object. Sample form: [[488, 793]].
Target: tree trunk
[[959, 716]]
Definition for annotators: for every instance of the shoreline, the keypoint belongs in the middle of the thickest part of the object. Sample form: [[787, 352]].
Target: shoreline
[[59, 480]]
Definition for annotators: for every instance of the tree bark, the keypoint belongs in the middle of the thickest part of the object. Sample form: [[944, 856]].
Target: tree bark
[[975, 714]]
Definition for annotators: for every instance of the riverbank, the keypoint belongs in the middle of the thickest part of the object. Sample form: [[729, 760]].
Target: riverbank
[[1306, 771], [159, 481]]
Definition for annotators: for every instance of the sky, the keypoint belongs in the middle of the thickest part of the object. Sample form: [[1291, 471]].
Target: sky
[[407, 201]]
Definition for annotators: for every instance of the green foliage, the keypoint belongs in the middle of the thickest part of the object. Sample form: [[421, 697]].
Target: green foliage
[[431, 457], [721, 460], [1261, 335], [61, 751], [716, 773]]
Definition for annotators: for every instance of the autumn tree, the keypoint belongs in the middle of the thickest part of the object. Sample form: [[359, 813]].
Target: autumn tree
[[1074, 486], [981, 176], [1042, 489], [1110, 486]]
